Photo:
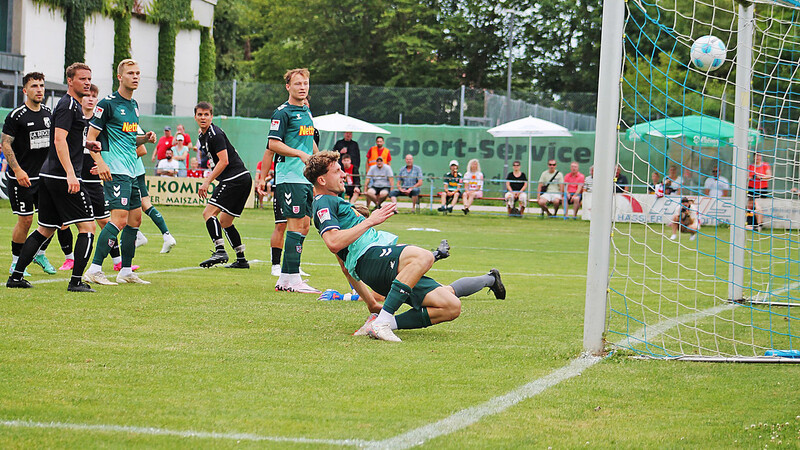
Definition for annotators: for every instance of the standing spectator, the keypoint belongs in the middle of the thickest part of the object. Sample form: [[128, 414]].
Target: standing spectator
[[348, 146], [758, 179], [452, 185], [574, 187], [187, 140], [551, 188], [164, 142], [409, 179], [168, 167], [180, 153], [379, 181], [621, 183], [673, 182], [516, 188], [352, 188], [716, 186], [473, 184], [378, 151], [589, 180]]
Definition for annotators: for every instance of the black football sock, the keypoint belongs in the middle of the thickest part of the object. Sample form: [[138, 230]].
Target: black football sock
[[235, 241], [215, 231], [83, 250], [276, 255], [65, 240], [29, 249]]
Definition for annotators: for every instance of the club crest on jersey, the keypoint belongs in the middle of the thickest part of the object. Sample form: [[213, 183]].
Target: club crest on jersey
[[47, 122], [128, 127], [296, 209], [306, 130], [124, 201], [111, 242], [98, 112], [324, 214], [275, 125]]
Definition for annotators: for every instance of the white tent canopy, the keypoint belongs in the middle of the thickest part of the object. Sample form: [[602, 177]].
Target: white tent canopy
[[529, 127], [339, 122]]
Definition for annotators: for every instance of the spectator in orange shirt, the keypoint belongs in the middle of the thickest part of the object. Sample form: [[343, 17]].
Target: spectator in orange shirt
[[758, 179], [378, 151]]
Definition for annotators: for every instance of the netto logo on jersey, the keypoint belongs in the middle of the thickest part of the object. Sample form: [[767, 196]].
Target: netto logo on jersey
[[306, 130], [128, 127]]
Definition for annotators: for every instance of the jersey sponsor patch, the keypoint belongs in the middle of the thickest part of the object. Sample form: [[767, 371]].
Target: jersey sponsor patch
[[275, 125], [324, 214], [306, 130], [98, 112]]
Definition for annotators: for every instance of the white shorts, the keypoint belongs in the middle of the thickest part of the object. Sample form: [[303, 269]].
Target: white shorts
[[523, 199], [551, 197]]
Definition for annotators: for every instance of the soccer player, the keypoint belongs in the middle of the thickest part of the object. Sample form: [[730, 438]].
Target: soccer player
[[291, 136], [373, 258], [116, 124], [229, 197], [62, 198], [26, 143], [151, 211]]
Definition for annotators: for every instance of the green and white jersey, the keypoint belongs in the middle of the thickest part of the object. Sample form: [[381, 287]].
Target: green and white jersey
[[335, 213], [117, 118], [293, 126]]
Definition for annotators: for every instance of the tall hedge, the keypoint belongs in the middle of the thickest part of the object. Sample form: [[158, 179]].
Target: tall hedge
[[75, 14], [120, 12], [170, 15], [208, 64]]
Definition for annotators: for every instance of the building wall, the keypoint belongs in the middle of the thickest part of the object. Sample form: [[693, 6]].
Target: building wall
[[144, 49], [100, 51], [187, 63], [42, 40]]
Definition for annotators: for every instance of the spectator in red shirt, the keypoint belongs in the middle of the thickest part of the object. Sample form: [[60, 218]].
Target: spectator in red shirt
[[758, 178], [195, 171], [187, 141], [351, 184], [574, 183], [166, 141]]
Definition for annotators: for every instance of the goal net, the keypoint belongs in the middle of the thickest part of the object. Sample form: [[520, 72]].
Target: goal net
[[726, 283]]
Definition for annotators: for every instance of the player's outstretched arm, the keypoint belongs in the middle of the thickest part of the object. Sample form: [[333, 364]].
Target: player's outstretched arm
[[339, 239]]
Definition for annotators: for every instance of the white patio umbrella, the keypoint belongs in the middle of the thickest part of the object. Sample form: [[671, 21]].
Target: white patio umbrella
[[529, 127], [339, 122]]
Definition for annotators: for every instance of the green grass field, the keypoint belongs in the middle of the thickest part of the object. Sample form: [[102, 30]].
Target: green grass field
[[216, 350]]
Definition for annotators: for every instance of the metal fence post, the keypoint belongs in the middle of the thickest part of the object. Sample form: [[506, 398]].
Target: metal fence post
[[462, 106], [233, 99], [346, 98]]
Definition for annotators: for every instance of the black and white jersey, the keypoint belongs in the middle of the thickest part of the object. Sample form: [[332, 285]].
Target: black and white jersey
[[214, 141], [31, 132], [68, 116]]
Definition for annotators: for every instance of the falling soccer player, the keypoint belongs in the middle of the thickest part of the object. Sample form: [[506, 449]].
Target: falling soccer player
[[373, 259]]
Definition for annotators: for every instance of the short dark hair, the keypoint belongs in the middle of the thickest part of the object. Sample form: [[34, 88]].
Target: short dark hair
[[38, 76], [74, 67], [346, 156], [318, 164], [204, 106], [379, 137], [94, 89]]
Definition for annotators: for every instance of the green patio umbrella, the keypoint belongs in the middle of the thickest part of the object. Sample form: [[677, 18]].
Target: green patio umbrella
[[701, 131]]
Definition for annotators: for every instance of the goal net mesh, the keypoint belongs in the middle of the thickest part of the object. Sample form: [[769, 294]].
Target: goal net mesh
[[670, 297]]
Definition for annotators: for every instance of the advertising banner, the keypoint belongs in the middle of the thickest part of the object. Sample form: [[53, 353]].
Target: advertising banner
[[179, 191]]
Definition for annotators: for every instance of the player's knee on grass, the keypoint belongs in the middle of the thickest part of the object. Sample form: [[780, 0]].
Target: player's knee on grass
[[442, 304]]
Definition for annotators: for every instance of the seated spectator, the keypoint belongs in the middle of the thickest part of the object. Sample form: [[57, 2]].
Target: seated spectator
[[551, 188], [473, 184], [589, 180], [168, 167], [516, 188], [672, 183], [352, 189], [194, 169], [180, 153], [379, 181], [409, 179], [621, 183], [754, 216], [716, 186], [685, 220], [655, 186], [452, 188], [574, 188]]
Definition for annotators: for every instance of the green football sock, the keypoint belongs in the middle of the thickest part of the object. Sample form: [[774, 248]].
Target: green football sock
[[413, 319], [398, 294], [128, 245], [292, 249], [157, 219], [105, 240]]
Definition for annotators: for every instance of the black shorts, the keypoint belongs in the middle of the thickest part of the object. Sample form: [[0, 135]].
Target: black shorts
[[758, 193], [231, 196], [98, 199], [349, 190], [24, 200], [378, 190], [276, 210], [57, 207]]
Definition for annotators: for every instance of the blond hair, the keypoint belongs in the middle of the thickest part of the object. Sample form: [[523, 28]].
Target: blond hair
[[125, 62], [290, 73]]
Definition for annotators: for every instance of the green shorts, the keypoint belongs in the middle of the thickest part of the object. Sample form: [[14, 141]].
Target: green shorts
[[295, 199], [377, 267], [142, 186], [122, 192]]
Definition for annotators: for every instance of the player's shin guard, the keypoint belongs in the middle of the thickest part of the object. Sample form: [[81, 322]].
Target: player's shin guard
[[292, 249], [65, 240], [106, 240], [235, 241], [83, 249], [128, 245], [215, 231], [157, 219], [398, 295], [26, 254], [467, 286], [413, 319]]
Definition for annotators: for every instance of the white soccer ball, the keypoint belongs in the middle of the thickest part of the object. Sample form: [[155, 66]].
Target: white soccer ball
[[708, 53]]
